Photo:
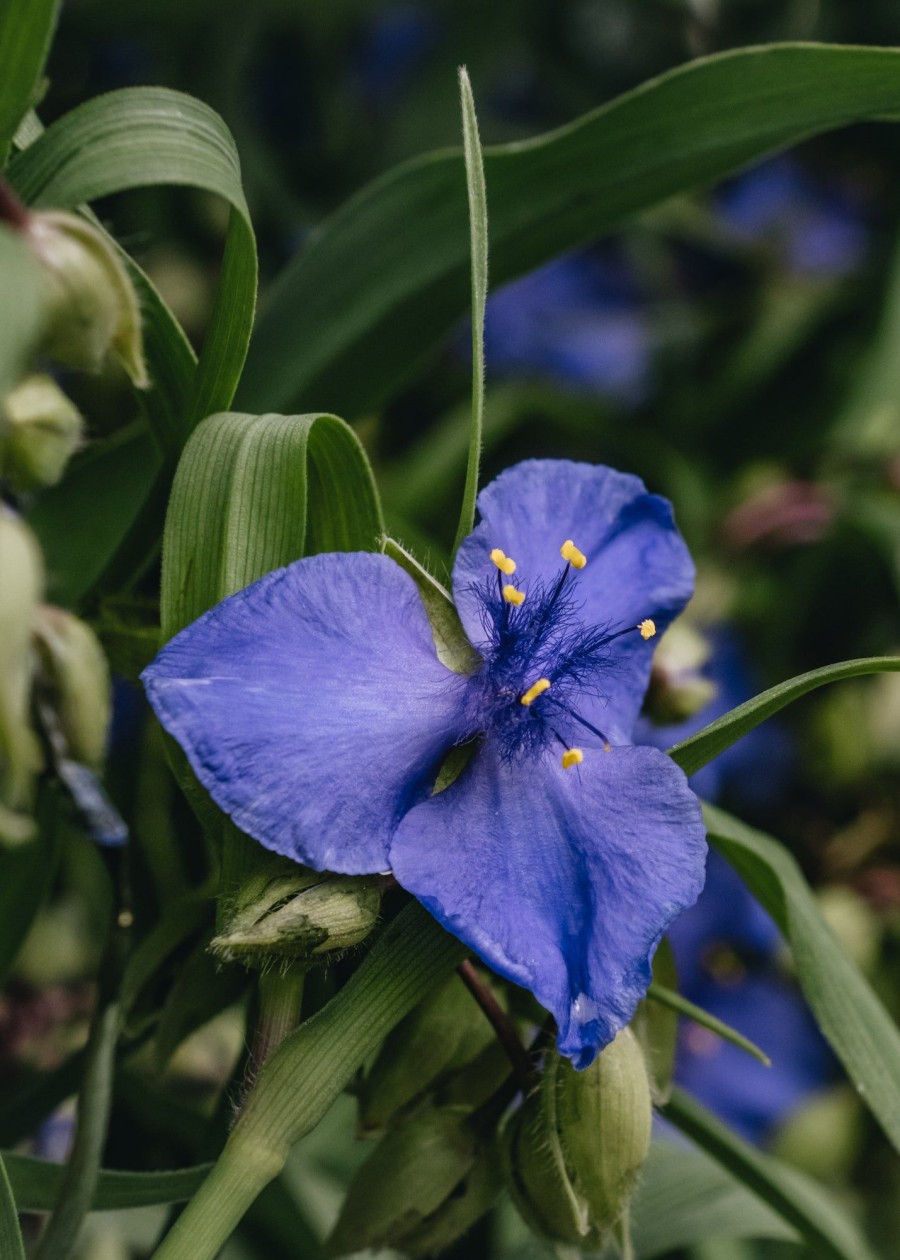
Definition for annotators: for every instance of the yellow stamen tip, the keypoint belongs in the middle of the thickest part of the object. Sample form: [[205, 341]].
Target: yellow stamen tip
[[647, 628], [577, 559], [503, 562], [572, 757], [535, 690], [513, 595]]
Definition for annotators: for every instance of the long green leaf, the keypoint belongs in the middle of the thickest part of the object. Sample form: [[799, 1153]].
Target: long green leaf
[[26, 875], [26, 28], [36, 1183], [798, 1199], [141, 136], [256, 492], [859, 1029], [694, 752], [478, 235], [685, 1197], [11, 1244], [385, 278], [675, 1002]]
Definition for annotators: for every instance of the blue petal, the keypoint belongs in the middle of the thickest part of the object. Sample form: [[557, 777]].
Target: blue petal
[[561, 880], [638, 565], [312, 707]]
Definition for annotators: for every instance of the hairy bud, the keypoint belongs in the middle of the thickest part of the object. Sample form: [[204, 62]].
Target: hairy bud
[[573, 1151], [424, 1184], [43, 430], [91, 308], [297, 914], [75, 678], [20, 590]]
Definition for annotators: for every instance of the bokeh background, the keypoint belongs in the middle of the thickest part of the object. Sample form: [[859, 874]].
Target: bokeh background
[[739, 348]]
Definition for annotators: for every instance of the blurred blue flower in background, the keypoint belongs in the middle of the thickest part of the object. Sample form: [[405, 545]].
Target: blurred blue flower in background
[[313, 707], [815, 229], [393, 44], [578, 321]]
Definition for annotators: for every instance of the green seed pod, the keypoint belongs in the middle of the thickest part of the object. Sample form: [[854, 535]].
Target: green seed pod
[[573, 1151], [286, 911], [91, 308], [677, 688], [75, 678], [402, 1196], [442, 1034], [20, 756], [43, 431]]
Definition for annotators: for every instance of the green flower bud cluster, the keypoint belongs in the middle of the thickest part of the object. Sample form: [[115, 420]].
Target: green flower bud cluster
[[574, 1150], [435, 1093], [284, 912], [91, 309], [50, 656]]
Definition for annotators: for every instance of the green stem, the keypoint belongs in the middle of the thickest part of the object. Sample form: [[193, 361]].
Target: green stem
[[241, 1173], [82, 1171], [280, 997]]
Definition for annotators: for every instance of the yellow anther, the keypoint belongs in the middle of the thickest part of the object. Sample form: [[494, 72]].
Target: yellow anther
[[535, 690], [647, 628], [513, 595], [503, 562], [577, 559], [572, 757]]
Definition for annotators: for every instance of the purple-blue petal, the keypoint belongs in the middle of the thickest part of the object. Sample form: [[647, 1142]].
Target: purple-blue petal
[[638, 565], [312, 707], [563, 881]]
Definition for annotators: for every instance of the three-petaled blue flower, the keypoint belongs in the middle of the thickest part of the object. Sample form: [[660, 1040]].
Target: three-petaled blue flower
[[313, 707]]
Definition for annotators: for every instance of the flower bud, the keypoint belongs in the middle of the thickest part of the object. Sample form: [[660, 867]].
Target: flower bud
[[75, 677], [442, 1034], [574, 1150], [20, 589], [297, 914], [678, 688], [43, 430], [91, 308], [425, 1182]]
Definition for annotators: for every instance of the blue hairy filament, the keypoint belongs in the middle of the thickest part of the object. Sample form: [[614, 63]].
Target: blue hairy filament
[[543, 637]]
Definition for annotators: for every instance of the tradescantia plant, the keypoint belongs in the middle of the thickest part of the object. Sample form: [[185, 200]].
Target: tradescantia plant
[[344, 733]]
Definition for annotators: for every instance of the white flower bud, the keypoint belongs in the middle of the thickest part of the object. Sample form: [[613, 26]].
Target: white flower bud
[[43, 430]]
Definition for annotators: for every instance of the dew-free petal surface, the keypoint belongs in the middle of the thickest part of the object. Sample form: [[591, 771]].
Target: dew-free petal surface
[[561, 880], [312, 707]]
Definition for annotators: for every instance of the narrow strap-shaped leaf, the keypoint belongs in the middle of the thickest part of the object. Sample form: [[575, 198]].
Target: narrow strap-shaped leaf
[[140, 136], [857, 1026], [385, 278], [253, 493], [26, 28], [802, 1203], [478, 236], [11, 1244], [694, 752], [36, 1183], [685, 1197], [675, 1002]]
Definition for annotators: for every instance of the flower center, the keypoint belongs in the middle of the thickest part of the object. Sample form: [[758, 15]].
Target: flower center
[[540, 657]]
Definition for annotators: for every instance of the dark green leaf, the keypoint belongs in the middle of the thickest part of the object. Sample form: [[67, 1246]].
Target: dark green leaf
[[11, 1245], [36, 1183], [799, 1200], [386, 277], [26, 873], [694, 752], [19, 319], [26, 28], [859, 1029]]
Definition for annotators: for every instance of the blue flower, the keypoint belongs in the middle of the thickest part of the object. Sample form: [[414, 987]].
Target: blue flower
[[314, 708]]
